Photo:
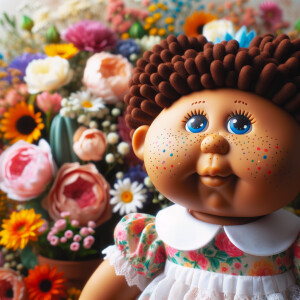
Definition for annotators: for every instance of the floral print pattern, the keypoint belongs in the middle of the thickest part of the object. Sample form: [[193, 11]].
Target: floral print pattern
[[136, 237], [296, 255]]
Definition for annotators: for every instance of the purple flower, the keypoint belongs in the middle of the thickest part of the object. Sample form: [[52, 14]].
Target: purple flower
[[21, 62], [136, 173], [74, 246], [127, 47], [90, 36]]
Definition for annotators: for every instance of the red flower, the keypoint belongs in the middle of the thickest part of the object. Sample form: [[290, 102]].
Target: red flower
[[296, 250], [237, 265], [199, 258], [160, 256], [224, 244]]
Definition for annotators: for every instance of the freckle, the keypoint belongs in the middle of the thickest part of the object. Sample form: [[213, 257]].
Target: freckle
[[163, 162], [267, 164], [269, 172], [164, 150], [265, 156], [243, 152], [165, 168], [252, 160], [248, 169], [258, 168], [156, 167], [171, 154], [276, 147], [258, 148], [266, 150]]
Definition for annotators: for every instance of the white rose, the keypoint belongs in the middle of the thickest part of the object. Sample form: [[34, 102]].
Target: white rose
[[47, 74], [216, 30]]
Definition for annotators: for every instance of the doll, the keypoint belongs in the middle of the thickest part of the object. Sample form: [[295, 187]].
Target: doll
[[217, 127]]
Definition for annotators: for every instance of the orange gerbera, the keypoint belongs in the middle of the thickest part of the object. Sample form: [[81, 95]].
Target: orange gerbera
[[194, 24], [45, 283]]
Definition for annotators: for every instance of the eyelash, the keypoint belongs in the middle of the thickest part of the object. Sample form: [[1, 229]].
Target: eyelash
[[193, 113], [243, 113]]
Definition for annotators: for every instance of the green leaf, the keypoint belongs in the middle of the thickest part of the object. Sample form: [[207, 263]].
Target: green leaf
[[28, 258], [222, 255], [214, 263]]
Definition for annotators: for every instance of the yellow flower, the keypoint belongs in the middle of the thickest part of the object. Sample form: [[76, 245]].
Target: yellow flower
[[21, 123], [73, 293], [162, 32], [262, 268], [152, 8], [171, 28], [153, 31], [157, 16], [147, 26], [149, 20], [194, 24], [125, 36], [169, 20], [20, 228], [66, 51]]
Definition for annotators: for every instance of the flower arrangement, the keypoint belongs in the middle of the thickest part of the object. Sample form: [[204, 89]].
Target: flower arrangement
[[67, 169]]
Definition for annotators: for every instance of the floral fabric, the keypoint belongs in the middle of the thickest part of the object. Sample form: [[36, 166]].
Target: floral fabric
[[136, 237]]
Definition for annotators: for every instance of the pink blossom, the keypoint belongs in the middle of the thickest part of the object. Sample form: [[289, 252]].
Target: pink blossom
[[271, 12], [77, 238], [107, 75], [54, 240], [69, 234], [44, 227], [75, 223], [160, 255], [74, 246], [90, 36], [91, 224], [224, 244], [64, 214], [91, 230], [60, 224], [49, 102], [49, 236], [199, 258], [81, 190], [63, 239], [117, 20], [88, 242], [26, 170], [84, 231]]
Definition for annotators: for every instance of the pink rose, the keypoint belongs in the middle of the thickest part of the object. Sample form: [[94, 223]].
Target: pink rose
[[224, 244], [89, 144], [107, 75], [49, 102], [199, 258], [11, 280], [81, 190], [26, 169]]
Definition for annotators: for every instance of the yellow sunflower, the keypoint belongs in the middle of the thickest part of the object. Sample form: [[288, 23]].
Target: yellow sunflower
[[45, 283], [66, 51], [194, 24], [20, 228], [21, 123]]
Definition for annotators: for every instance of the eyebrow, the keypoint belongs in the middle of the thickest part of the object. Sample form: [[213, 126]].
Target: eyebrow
[[240, 102]]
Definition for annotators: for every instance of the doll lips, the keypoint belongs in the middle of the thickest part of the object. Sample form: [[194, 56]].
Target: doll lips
[[214, 181]]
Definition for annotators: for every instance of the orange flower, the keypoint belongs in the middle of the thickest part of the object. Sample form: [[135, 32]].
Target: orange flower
[[262, 268], [45, 283], [194, 24]]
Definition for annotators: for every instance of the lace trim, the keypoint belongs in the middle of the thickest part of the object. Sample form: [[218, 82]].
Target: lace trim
[[123, 267]]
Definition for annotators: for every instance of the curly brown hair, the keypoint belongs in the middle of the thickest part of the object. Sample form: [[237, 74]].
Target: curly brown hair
[[178, 66]]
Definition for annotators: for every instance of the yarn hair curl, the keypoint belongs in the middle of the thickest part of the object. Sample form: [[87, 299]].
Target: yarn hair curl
[[178, 66]]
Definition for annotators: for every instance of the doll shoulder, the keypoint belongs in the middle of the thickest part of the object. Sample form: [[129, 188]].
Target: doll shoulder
[[135, 236]]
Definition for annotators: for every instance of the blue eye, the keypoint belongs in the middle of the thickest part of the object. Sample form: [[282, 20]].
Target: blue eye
[[239, 124], [196, 123]]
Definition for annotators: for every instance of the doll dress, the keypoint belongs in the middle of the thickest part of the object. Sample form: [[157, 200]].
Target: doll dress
[[177, 257]]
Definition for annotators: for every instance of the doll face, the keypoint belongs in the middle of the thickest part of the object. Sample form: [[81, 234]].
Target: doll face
[[223, 153]]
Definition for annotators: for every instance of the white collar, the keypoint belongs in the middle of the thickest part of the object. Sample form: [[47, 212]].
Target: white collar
[[267, 236]]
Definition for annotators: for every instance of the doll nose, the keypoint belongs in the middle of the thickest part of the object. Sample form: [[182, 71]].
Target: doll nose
[[214, 143]]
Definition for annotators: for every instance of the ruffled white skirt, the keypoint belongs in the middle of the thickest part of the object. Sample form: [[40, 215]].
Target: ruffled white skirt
[[183, 283]]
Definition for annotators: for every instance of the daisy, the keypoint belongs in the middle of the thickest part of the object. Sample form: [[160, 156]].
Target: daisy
[[45, 283], [22, 227], [127, 196], [20, 122], [84, 100]]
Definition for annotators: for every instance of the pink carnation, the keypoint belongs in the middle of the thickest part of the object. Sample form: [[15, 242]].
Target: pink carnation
[[60, 224], [26, 169], [84, 231], [90, 36], [74, 246], [63, 239], [77, 238], [54, 240], [91, 224], [88, 242], [49, 102], [69, 234]]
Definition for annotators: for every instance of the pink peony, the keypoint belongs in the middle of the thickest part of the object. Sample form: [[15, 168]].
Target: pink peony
[[107, 75], [26, 169], [49, 102], [89, 144], [81, 190], [224, 244], [11, 281], [92, 36]]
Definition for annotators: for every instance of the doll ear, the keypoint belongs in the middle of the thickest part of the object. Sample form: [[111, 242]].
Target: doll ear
[[138, 141]]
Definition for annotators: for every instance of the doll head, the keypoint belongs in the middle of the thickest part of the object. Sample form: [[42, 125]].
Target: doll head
[[218, 126]]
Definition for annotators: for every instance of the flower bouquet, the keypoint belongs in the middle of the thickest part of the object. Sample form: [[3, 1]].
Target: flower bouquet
[[67, 169]]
